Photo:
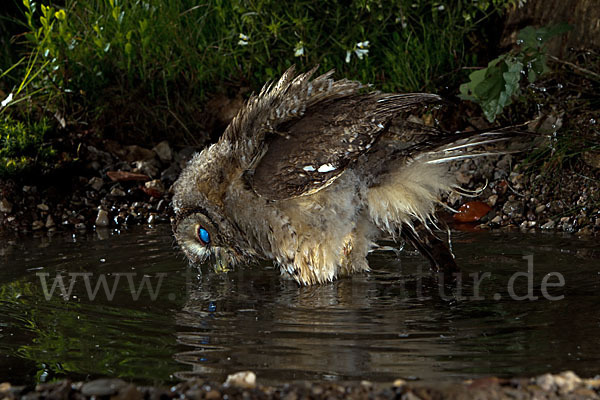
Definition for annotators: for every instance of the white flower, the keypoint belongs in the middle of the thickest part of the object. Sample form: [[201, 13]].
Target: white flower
[[7, 100], [360, 53], [360, 49], [243, 40], [299, 49]]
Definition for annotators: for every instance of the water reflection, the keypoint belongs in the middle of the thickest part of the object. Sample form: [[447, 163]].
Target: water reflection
[[396, 321]]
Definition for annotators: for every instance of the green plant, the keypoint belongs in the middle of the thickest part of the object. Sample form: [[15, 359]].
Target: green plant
[[495, 86], [145, 66], [22, 146]]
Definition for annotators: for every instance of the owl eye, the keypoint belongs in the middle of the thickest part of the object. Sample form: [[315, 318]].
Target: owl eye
[[203, 235]]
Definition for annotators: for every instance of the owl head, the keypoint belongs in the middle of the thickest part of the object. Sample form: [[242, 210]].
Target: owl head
[[200, 227]]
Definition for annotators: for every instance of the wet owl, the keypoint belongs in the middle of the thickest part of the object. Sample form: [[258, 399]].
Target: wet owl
[[310, 173]]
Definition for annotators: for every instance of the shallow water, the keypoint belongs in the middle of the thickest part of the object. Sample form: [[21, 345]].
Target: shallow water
[[399, 321]]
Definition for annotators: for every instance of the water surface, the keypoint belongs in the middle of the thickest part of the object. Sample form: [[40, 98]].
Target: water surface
[[399, 321]]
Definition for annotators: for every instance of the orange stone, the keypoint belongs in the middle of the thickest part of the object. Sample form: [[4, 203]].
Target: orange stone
[[472, 211], [121, 176]]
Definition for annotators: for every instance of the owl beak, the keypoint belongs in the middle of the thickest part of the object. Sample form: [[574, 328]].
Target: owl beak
[[220, 261]]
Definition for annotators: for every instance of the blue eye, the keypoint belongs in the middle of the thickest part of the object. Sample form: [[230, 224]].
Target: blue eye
[[203, 235]]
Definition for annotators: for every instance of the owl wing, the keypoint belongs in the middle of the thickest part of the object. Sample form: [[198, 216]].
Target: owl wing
[[306, 154]]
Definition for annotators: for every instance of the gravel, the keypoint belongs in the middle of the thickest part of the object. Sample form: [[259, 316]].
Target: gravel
[[121, 186], [566, 385]]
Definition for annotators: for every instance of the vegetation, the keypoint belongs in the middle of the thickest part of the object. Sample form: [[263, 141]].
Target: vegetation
[[143, 69], [22, 146], [495, 86]]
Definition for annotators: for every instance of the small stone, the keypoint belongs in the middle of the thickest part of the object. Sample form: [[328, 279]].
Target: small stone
[[147, 167], [5, 206], [36, 225], [43, 207], [546, 382], [129, 392], [122, 176], [80, 226], [96, 183], [213, 395], [102, 387], [539, 209], [49, 222], [513, 208], [462, 178], [136, 153], [102, 218], [117, 192], [151, 219], [497, 219], [244, 379], [492, 200], [163, 151], [154, 188], [399, 383]]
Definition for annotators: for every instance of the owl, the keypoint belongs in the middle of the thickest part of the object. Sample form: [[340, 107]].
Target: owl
[[311, 172]]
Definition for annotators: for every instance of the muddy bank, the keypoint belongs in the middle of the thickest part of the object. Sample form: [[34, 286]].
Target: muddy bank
[[117, 186], [566, 385]]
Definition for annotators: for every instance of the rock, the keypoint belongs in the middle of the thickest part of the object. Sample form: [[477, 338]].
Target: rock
[[129, 392], [163, 151], [244, 379], [213, 395], [462, 178], [170, 174], [80, 226], [472, 211], [154, 188], [539, 209], [96, 183], [5, 206], [137, 153], [122, 176], [497, 219], [513, 208], [49, 222], [117, 192], [184, 156], [37, 225], [546, 382], [103, 387], [399, 383], [43, 207], [492, 200], [102, 218], [147, 167]]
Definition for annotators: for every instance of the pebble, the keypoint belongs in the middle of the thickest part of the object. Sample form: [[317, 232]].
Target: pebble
[[96, 183], [36, 225], [102, 218], [117, 192], [549, 225], [103, 387], [50, 222], [243, 379], [5, 206], [513, 208], [539, 209], [492, 200], [163, 151], [43, 207]]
